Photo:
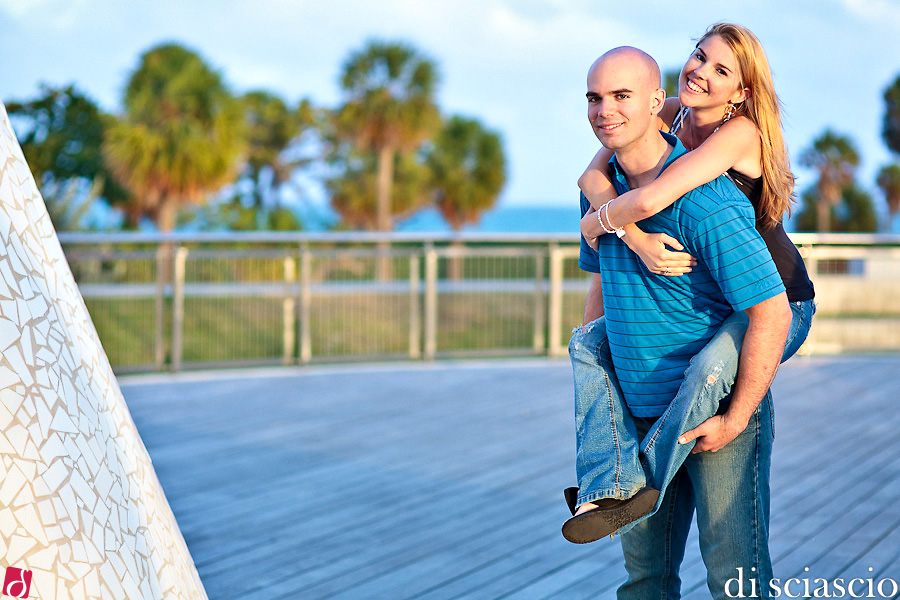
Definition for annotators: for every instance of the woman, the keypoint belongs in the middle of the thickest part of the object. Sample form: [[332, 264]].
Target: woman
[[727, 115]]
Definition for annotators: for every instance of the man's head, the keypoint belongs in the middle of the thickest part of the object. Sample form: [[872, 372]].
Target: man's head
[[624, 97]]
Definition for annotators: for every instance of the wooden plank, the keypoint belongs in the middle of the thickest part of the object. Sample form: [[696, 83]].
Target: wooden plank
[[444, 481]]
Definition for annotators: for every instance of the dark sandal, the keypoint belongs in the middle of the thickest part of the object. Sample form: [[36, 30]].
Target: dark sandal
[[571, 495], [607, 518]]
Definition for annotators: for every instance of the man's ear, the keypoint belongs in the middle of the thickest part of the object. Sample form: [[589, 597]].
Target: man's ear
[[657, 101]]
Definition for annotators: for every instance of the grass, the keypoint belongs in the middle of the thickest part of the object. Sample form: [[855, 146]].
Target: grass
[[238, 329]]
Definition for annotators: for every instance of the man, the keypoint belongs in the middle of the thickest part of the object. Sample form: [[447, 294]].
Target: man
[[655, 325]]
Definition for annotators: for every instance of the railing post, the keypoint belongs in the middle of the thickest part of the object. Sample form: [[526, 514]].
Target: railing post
[[811, 261], [415, 319], [555, 303], [178, 309], [808, 253], [163, 254], [305, 305], [289, 311], [431, 276], [539, 302]]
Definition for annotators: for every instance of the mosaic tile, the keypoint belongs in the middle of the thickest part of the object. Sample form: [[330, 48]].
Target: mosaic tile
[[80, 503]]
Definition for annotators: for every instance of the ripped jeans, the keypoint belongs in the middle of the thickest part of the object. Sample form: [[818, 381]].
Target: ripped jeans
[[612, 461]]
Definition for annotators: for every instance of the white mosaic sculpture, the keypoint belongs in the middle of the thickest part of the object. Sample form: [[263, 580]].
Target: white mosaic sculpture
[[80, 504]]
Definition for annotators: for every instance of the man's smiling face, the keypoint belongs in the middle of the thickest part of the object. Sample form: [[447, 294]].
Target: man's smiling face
[[622, 99]]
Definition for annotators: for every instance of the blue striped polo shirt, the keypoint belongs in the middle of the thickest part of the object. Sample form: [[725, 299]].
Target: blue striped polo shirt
[[655, 323]]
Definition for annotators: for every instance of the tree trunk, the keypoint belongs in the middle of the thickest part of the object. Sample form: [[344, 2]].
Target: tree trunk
[[383, 192], [893, 202], [823, 216], [383, 270], [168, 208], [165, 221], [455, 265], [829, 196]]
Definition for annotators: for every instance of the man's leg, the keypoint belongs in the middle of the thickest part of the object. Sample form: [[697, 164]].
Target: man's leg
[[654, 548], [731, 487], [607, 463]]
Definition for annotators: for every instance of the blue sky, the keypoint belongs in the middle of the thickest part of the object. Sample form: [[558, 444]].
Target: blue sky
[[518, 65]]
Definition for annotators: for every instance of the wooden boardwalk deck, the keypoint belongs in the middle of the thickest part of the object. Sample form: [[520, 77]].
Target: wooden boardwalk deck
[[445, 481]]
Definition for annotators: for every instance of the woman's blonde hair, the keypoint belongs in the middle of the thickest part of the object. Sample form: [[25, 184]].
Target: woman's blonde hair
[[763, 108]]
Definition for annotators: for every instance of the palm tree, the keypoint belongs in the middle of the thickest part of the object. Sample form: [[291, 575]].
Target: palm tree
[[891, 127], [389, 108], [835, 158], [468, 170], [61, 133], [271, 128], [353, 193], [889, 182], [181, 136]]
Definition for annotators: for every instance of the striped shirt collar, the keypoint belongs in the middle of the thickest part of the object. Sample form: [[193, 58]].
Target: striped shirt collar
[[677, 150]]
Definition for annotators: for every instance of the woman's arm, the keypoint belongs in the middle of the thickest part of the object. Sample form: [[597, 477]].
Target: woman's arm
[[598, 189], [650, 247], [595, 182], [734, 142]]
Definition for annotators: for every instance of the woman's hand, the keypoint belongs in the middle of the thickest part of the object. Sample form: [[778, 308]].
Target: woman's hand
[[651, 249]]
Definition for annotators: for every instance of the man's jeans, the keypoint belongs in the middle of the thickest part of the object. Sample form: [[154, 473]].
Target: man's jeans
[[730, 490], [617, 454]]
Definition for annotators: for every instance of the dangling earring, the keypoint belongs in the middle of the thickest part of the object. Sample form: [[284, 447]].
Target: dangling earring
[[730, 109]]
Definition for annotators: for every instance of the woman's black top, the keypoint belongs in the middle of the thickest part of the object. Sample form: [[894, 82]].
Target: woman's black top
[[784, 253]]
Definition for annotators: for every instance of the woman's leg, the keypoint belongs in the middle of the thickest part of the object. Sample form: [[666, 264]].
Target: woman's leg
[[803, 314], [707, 380], [607, 462]]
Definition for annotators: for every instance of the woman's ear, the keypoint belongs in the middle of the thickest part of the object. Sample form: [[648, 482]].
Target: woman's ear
[[741, 95]]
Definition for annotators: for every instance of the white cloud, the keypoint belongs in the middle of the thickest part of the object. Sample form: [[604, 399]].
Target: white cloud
[[57, 15], [882, 12]]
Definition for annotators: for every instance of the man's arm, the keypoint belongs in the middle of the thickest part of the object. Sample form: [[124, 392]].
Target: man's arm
[[761, 353], [593, 306]]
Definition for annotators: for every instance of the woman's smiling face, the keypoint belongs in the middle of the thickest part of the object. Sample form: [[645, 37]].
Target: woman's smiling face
[[711, 77]]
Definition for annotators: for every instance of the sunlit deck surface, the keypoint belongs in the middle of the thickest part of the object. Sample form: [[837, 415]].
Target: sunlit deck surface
[[445, 480]]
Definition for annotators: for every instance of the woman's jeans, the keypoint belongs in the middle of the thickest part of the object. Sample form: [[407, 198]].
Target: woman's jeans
[[618, 454], [612, 461]]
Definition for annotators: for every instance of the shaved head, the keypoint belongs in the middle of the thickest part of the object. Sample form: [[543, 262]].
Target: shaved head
[[643, 64], [624, 99]]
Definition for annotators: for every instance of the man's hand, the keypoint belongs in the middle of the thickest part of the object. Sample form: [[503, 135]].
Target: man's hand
[[713, 434], [761, 353]]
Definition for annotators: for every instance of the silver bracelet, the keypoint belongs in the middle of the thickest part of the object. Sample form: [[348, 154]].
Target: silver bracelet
[[620, 232], [617, 230], [600, 218]]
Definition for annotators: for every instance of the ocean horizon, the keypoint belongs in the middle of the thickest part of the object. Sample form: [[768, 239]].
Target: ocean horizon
[[528, 218], [499, 219]]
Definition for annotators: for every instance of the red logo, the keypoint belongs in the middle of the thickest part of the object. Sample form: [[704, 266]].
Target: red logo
[[17, 583]]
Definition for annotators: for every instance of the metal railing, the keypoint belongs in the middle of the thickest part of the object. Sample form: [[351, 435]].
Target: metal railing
[[170, 302]]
